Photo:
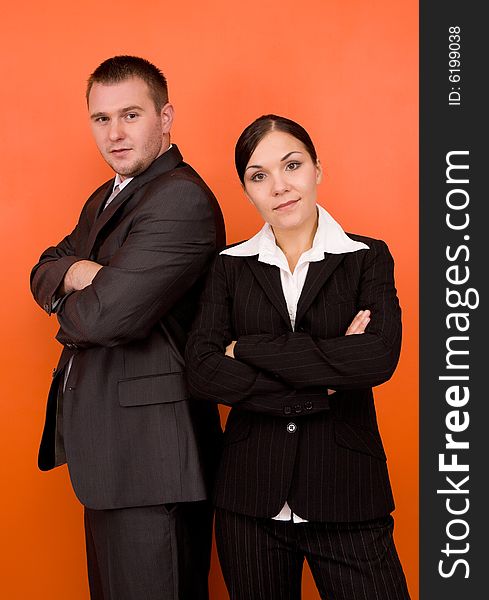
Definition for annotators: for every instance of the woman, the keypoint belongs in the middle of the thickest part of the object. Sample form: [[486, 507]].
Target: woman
[[294, 328]]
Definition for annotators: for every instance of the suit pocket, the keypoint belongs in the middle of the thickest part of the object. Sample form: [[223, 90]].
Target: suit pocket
[[155, 389], [358, 439]]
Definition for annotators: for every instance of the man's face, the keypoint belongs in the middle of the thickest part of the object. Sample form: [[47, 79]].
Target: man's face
[[128, 130]]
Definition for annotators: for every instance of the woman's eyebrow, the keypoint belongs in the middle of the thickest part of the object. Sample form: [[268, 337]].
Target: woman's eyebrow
[[281, 160], [287, 155]]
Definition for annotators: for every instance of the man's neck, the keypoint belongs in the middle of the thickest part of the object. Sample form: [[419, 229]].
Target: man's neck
[[119, 179]]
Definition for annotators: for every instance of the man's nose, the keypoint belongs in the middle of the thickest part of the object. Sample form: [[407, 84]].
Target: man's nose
[[116, 131]]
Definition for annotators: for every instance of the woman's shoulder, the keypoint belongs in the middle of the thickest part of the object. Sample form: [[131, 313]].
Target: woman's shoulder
[[235, 245], [240, 252], [233, 256], [372, 243], [363, 238], [378, 251]]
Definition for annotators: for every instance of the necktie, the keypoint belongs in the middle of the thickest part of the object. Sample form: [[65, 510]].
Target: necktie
[[115, 191]]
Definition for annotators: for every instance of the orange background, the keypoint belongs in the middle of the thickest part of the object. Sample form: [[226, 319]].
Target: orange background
[[347, 71]]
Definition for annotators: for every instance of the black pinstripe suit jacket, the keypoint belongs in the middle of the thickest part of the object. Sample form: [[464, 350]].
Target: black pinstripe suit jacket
[[285, 438]]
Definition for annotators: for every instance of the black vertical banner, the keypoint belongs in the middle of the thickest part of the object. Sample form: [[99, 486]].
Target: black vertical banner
[[454, 334]]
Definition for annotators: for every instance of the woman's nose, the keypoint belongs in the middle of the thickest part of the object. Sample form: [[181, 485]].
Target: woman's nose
[[280, 185]]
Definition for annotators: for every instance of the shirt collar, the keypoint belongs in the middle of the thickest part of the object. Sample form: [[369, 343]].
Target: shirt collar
[[120, 183], [329, 237]]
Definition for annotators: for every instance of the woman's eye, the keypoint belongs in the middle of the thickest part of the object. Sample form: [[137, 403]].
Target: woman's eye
[[258, 177], [292, 166]]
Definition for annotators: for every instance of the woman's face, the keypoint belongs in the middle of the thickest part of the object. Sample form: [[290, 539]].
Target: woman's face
[[281, 181]]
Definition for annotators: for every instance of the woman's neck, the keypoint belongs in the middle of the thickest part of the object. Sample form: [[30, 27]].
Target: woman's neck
[[294, 242]]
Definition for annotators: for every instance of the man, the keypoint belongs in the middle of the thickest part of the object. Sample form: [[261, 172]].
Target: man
[[123, 286]]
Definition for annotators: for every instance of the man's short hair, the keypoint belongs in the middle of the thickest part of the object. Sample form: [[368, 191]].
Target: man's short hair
[[119, 68]]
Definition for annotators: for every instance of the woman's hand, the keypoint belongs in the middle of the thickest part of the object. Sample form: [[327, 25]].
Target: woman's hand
[[357, 326], [359, 323], [230, 349]]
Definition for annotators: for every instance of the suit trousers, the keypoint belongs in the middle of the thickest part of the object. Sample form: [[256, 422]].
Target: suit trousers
[[262, 559], [149, 553]]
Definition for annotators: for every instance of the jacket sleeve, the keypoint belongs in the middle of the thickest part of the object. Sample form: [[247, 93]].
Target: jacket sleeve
[[171, 240], [48, 274], [219, 378], [347, 362]]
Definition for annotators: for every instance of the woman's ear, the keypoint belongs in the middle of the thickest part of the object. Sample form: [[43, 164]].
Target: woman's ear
[[319, 171]]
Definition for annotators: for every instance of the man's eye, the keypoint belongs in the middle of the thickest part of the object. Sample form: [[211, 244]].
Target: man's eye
[[101, 119], [131, 116]]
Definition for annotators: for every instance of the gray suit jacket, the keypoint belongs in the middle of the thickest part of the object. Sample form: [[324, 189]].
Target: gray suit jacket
[[131, 436]]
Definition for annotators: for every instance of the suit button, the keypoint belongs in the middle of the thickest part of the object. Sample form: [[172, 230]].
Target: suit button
[[287, 410], [297, 409], [46, 307], [291, 427], [308, 405]]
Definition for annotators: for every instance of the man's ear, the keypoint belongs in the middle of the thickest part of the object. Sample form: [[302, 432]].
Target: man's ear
[[166, 115]]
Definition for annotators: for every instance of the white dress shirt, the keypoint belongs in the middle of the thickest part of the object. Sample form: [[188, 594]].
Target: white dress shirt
[[330, 238]]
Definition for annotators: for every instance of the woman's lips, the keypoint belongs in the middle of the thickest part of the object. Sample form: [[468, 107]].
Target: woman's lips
[[286, 205]]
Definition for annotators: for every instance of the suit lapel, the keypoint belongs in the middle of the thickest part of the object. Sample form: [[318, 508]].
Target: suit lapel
[[268, 276], [317, 275], [94, 207], [105, 215], [166, 162]]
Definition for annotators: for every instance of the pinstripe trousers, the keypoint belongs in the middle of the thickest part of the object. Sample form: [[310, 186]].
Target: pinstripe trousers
[[262, 559]]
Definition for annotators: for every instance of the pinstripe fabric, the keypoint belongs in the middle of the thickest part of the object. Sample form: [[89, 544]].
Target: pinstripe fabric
[[262, 559], [285, 439]]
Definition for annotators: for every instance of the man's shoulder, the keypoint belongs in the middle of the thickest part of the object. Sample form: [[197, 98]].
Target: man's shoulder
[[168, 168], [181, 174], [181, 188]]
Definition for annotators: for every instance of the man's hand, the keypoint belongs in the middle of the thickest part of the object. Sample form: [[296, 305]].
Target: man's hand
[[79, 275], [359, 323]]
